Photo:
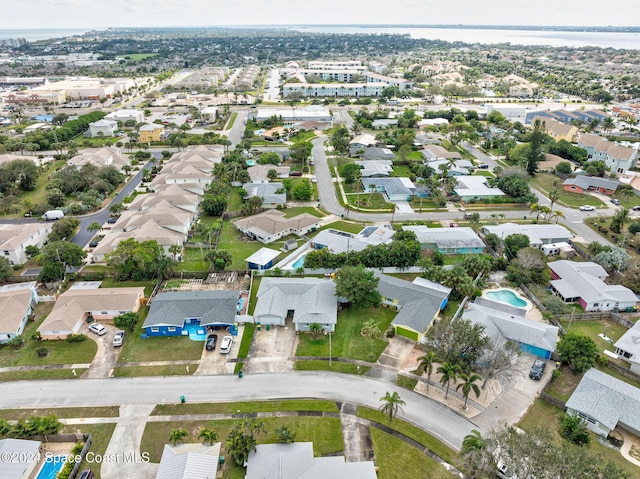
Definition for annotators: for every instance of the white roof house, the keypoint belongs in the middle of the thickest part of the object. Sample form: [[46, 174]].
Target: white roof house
[[312, 300], [23, 455], [297, 461], [628, 346], [605, 402], [375, 168], [448, 240], [475, 187], [14, 238], [340, 241], [584, 282], [189, 461], [538, 234], [262, 259], [272, 194], [395, 189], [126, 115]]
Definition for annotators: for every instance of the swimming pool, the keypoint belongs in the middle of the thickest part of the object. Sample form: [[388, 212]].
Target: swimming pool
[[51, 467], [240, 304], [196, 332], [299, 263], [507, 296], [251, 162]]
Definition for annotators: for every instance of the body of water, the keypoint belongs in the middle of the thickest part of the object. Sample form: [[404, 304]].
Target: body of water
[[487, 36], [506, 296], [33, 35]]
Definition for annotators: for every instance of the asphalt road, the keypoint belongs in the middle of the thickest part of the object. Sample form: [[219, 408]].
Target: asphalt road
[[439, 420]]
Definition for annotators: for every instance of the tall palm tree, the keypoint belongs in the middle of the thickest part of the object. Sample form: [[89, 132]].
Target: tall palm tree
[[467, 385], [391, 404], [178, 435], [449, 373], [546, 211], [426, 365], [535, 208], [557, 215], [93, 227], [208, 435], [356, 128], [554, 195]]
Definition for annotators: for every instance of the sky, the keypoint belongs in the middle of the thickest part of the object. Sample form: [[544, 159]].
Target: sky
[[37, 14]]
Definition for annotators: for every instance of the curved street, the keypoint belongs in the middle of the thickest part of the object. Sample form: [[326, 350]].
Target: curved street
[[429, 415]]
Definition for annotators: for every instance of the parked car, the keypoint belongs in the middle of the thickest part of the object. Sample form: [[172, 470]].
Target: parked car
[[86, 474], [225, 345], [98, 328], [94, 243], [112, 220], [210, 343], [615, 201], [314, 180], [483, 166], [118, 339], [587, 208], [537, 369]]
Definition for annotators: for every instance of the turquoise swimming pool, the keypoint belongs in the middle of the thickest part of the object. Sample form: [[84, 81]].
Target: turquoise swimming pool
[[299, 263], [51, 467], [507, 296]]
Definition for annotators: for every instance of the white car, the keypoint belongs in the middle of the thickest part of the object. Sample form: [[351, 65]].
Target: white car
[[118, 339], [98, 328], [587, 208], [225, 345]]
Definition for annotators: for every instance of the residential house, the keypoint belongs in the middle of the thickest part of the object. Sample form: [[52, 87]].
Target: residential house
[[584, 283], [565, 116], [124, 116], [272, 194], [417, 303], [475, 188], [150, 132], [394, 189], [20, 458], [189, 461], [583, 183], [262, 259], [436, 152], [14, 239], [180, 313], [74, 306], [376, 153], [453, 167], [103, 128], [605, 402], [360, 143], [448, 240], [173, 195], [260, 173], [538, 234], [272, 225], [620, 159], [297, 461], [375, 168], [101, 157], [628, 347], [305, 300], [340, 241], [503, 322], [557, 129], [383, 123], [550, 163], [16, 305]]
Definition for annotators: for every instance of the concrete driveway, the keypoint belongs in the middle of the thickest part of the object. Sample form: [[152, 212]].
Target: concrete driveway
[[106, 357], [271, 350], [213, 362]]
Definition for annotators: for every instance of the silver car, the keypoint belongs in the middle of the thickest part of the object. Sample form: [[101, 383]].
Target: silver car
[[118, 339], [225, 345], [98, 328]]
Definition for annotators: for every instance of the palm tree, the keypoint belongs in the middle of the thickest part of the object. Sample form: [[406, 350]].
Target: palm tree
[[208, 435], [608, 124], [546, 211], [372, 190], [554, 195], [356, 128], [93, 227], [449, 373], [426, 365], [535, 208], [557, 215], [473, 442], [178, 435], [174, 249], [468, 385], [391, 404]]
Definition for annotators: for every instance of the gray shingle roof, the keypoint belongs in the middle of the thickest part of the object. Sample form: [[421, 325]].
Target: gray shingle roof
[[586, 182], [607, 399], [212, 307], [419, 303], [447, 237], [630, 343], [538, 234]]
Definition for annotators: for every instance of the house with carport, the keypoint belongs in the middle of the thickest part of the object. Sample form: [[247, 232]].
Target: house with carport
[[418, 303], [304, 300], [82, 300], [605, 402], [583, 282], [182, 313], [17, 301]]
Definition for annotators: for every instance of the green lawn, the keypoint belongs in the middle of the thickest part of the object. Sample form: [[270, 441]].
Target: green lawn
[[193, 260], [335, 366], [238, 245], [593, 328], [545, 416], [303, 136], [348, 226], [235, 200], [393, 455], [61, 412], [247, 337], [548, 181], [139, 56], [298, 210], [231, 121], [417, 434], [136, 349], [347, 342], [406, 382], [41, 374], [162, 370], [60, 352], [369, 201], [112, 283], [401, 171], [246, 407], [39, 194]]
